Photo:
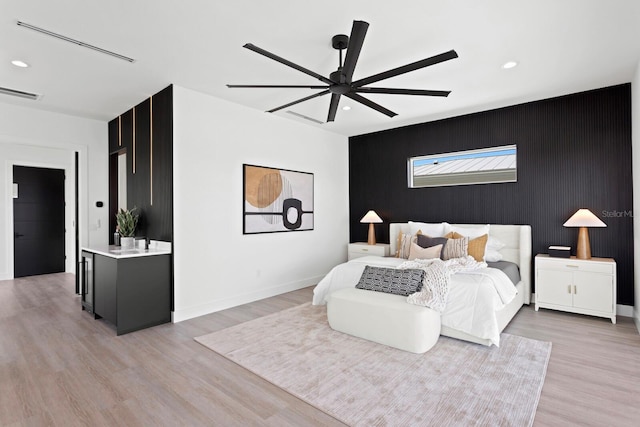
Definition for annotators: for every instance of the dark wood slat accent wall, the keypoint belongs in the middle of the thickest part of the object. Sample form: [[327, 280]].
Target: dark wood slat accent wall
[[573, 152], [156, 214], [138, 188], [161, 215], [113, 135]]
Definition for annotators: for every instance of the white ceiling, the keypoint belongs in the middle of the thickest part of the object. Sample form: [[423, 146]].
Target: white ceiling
[[561, 46]]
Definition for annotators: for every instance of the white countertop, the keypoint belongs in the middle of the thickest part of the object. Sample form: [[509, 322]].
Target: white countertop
[[155, 248]]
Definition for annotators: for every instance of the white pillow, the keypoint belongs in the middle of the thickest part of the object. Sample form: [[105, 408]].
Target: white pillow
[[492, 255], [430, 229], [495, 244], [470, 232], [417, 252], [492, 252]]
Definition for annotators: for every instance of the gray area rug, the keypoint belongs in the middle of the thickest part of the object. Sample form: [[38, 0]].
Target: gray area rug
[[363, 383]]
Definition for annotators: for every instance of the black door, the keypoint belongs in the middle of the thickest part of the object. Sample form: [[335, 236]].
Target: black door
[[38, 221]]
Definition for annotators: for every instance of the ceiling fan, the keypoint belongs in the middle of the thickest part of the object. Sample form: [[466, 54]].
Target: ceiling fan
[[339, 82]]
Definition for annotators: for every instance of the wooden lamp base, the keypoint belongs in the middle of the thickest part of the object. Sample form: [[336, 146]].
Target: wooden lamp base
[[372, 235], [584, 247]]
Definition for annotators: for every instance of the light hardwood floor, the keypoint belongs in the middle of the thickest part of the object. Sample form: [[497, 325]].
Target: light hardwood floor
[[59, 366]]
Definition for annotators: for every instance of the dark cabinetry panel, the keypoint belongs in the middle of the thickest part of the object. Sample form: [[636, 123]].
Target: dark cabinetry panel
[[126, 132], [146, 134], [138, 189], [161, 216], [132, 293], [144, 292], [114, 130], [105, 279]]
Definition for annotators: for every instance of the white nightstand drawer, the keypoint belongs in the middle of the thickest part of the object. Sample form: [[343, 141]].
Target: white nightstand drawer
[[357, 250], [594, 265]]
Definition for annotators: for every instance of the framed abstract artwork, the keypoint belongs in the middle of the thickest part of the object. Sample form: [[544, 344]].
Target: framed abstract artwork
[[276, 200]]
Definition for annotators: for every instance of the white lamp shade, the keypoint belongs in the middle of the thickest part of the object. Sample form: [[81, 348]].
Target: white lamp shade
[[584, 218], [370, 217]]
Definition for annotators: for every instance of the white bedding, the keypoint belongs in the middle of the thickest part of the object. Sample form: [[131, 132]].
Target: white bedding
[[474, 296]]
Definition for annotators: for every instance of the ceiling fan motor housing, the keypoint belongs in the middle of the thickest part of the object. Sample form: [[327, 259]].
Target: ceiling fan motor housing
[[340, 41]]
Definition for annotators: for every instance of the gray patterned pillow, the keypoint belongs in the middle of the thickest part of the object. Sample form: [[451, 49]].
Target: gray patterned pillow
[[391, 280]]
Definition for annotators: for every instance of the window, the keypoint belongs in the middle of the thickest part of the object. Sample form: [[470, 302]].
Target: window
[[483, 166]]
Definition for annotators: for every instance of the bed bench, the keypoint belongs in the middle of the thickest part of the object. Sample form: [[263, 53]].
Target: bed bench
[[383, 318]]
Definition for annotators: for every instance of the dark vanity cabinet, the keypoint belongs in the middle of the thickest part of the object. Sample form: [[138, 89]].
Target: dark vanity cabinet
[[130, 292]]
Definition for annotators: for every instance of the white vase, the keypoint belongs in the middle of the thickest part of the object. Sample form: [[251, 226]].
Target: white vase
[[127, 242]]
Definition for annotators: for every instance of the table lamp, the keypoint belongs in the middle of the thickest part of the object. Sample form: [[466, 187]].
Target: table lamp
[[372, 218], [583, 219]]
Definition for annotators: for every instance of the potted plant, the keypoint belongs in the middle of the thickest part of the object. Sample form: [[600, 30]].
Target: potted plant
[[127, 220]]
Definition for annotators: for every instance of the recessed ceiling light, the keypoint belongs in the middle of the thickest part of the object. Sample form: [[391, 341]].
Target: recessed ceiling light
[[509, 64], [346, 108], [19, 63]]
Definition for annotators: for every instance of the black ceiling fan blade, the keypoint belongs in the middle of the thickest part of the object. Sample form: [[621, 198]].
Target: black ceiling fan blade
[[356, 40], [306, 98], [407, 68], [333, 107], [393, 91], [287, 63], [370, 104], [278, 86]]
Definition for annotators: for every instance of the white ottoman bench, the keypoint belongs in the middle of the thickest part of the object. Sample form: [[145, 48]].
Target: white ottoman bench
[[384, 318]]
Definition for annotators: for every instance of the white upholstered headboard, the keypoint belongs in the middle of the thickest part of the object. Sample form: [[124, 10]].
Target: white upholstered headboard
[[517, 240]]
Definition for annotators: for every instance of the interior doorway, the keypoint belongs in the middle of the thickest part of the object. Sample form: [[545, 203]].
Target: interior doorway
[[38, 221]]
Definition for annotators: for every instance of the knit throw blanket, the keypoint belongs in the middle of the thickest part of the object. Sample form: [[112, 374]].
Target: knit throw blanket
[[437, 279]]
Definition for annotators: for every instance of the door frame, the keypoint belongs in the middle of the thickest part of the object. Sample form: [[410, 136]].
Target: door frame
[[69, 210]]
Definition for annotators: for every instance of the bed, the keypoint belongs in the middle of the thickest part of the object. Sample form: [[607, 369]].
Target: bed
[[474, 312]]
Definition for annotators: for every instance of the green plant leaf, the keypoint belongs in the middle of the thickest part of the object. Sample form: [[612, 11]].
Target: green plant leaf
[[127, 221]]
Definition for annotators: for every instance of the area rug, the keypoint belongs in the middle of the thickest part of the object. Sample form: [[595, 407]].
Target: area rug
[[362, 383]]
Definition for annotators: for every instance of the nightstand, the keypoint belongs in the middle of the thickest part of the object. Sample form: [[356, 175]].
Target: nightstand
[[357, 250], [585, 286]]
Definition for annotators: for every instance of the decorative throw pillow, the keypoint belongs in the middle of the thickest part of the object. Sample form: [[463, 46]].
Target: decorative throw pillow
[[418, 252], [456, 248], [428, 242], [476, 247], [391, 280], [403, 246]]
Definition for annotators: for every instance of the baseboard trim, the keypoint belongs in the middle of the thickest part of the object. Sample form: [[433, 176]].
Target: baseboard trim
[[624, 310], [225, 303], [636, 318]]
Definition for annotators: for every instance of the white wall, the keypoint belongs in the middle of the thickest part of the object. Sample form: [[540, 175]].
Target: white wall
[[216, 266], [635, 144], [31, 137]]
